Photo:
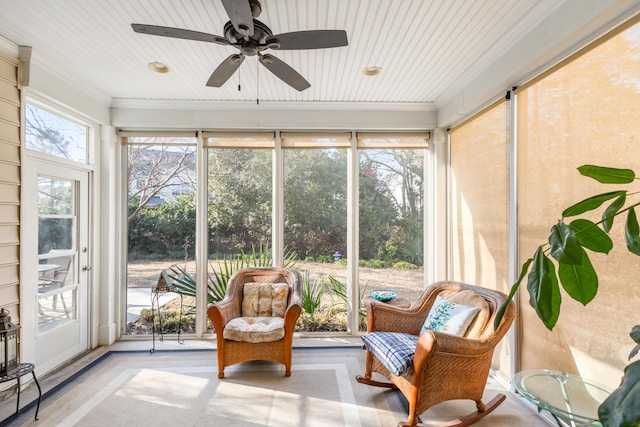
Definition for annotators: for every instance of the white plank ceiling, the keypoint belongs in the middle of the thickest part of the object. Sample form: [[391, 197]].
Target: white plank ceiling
[[426, 48]]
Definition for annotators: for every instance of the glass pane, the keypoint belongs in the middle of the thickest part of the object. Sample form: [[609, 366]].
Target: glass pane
[[391, 223], [239, 198], [54, 196], [55, 307], [239, 214], [315, 230], [49, 133], [56, 253], [161, 236], [54, 233]]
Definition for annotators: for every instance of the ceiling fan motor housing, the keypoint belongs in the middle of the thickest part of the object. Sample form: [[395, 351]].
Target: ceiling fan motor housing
[[251, 46]]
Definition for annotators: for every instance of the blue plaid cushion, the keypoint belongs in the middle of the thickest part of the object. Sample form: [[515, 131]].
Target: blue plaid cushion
[[393, 349]]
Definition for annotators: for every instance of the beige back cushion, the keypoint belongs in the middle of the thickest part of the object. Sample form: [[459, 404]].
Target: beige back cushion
[[471, 299], [264, 299]]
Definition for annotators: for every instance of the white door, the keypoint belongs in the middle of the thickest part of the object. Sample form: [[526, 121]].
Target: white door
[[59, 279]]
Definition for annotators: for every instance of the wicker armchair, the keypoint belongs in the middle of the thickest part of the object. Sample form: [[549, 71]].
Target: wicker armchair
[[235, 349], [444, 367]]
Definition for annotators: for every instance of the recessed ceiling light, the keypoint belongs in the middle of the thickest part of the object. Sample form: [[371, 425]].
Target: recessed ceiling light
[[158, 67], [372, 71]]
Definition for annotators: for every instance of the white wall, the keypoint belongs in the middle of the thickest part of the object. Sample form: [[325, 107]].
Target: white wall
[[163, 115]]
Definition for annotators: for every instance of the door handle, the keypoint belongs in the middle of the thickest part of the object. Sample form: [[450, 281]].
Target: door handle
[[86, 267]]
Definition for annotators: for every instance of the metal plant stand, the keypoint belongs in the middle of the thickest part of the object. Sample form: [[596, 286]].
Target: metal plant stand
[[161, 288]]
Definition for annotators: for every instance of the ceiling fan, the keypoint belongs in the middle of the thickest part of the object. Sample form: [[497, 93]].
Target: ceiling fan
[[251, 37]]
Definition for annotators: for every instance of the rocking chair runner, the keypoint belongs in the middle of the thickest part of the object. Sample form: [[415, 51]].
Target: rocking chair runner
[[444, 367]]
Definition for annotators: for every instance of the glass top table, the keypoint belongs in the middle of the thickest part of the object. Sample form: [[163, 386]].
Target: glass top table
[[564, 395]]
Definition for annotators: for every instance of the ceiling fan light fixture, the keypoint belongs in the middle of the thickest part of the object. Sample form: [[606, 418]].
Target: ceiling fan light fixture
[[158, 67], [372, 71]]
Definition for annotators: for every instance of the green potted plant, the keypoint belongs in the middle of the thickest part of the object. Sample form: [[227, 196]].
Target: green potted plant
[[567, 248]]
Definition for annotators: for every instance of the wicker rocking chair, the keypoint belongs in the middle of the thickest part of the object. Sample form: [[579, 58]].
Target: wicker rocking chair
[[251, 323], [439, 366]]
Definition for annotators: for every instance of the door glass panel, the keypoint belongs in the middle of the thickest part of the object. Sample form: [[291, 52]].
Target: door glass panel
[[56, 268]]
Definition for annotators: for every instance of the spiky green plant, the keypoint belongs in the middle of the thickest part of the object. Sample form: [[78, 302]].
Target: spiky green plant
[[340, 291], [185, 283], [312, 292]]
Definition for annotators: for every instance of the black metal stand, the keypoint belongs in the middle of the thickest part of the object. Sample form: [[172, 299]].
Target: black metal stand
[[23, 369], [156, 292]]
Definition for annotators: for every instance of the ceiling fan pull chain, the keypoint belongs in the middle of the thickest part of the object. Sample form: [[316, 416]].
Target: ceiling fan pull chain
[[257, 84], [239, 87]]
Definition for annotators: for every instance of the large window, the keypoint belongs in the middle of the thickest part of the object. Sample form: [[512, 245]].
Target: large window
[[391, 212], [272, 201], [161, 230], [315, 222]]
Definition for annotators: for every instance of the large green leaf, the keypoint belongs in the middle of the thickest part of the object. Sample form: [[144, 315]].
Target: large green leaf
[[579, 281], [564, 245], [611, 212], [514, 289], [590, 203], [544, 290], [608, 175], [591, 236], [631, 232], [622, 407]]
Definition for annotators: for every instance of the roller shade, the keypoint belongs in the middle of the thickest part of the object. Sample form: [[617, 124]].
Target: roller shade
[[239, 139], [376, 140]]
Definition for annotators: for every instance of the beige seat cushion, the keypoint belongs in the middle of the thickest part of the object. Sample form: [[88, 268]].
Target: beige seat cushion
[[254, 329], [471, 299]]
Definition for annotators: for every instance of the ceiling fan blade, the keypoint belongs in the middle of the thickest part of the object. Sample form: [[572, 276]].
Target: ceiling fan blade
[[284, 72], [225, 70], [178, 33], [239, 12], [314, 39]]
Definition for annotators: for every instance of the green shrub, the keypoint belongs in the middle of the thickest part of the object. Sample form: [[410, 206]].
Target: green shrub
[[404, 265], [146, 315], [324, 258], [176, 254], [374, 263]]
